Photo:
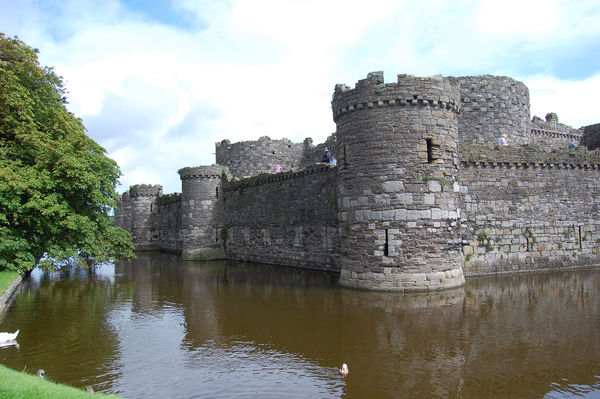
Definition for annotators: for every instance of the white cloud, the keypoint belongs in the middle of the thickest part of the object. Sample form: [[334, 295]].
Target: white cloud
[[515, 18], [574, 102], [159, 96]]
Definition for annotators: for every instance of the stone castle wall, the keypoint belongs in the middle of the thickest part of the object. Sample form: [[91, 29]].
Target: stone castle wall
[[421, 197], [549, 133], [250, 158], [144, 216], [314, 153], [169, 215], [123, 211], [527, 210], [492, 106], [591, 136], [288, 218]]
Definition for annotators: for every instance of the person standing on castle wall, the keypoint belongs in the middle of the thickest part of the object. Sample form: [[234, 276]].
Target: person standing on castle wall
[[502, 140], [572, 144], [277, 168], [326, 156], [333, 161]]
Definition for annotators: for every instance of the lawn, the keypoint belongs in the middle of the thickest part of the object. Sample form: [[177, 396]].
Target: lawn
[[6, 278]]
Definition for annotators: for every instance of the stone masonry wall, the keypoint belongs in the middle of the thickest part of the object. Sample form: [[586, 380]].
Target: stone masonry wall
[[314, 153], [250, 158], [169, 214], [524, 211], [200, 192], [591, 136], [397, 183], [123, 212], [492, 106], [288, 219], [550, 133], [144, 216]]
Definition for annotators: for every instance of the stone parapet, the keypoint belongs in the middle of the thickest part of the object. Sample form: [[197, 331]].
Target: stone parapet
[[372, 92], [169, 199], [250, 158], [268, 178], [213, 171], [145, 190], [533, 155]]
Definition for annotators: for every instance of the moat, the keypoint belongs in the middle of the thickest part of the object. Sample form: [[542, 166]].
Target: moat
[[162, 327]]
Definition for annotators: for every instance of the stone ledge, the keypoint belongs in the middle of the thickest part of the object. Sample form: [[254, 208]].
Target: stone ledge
[[403, 282], [5, 297]]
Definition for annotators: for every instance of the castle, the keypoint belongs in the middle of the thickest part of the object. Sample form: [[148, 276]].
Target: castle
[[421, 197]]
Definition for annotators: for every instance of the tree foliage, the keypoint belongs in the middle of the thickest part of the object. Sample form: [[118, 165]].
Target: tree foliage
[[57, 185]]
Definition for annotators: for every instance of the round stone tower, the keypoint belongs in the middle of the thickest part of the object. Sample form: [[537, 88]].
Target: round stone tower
[[492, 106], [200, 190], [397, 188], [144, 216]]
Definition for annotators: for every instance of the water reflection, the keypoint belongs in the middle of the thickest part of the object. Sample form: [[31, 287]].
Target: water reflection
[[160, 327]]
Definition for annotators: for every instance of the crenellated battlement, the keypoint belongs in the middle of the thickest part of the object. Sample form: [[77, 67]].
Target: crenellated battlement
[[532, 155], [145, 190], [208, 172], [268, 178], [169, 199], [372, 92]]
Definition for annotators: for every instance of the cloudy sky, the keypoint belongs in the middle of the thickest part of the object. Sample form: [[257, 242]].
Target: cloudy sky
[[158, 82]]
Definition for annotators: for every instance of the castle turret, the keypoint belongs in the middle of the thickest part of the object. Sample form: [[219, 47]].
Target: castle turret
[[492, 106], [144, 218], [397, 188], [123, 212], [199, 229]]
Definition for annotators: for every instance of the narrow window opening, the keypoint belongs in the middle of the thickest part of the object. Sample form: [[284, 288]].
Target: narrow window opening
[[580, 240], [429, 150], [273, 152], [528, 248], [386, 245], [151, 207], [217, 191]]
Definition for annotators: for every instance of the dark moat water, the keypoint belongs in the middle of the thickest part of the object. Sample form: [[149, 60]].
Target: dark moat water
[[162, 328]]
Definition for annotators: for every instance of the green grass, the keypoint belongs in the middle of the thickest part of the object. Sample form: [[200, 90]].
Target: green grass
[[6, 278], [14, 384]]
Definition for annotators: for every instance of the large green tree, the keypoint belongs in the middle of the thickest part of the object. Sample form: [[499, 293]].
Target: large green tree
[[57, 186]]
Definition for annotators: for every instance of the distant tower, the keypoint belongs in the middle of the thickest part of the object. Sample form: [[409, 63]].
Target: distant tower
[[199, 229], [492, 106], [123, 212], [144, 218], [397, 189]]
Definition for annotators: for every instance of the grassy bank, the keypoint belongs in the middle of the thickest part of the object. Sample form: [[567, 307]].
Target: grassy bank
[[14, 384], [6, 278]]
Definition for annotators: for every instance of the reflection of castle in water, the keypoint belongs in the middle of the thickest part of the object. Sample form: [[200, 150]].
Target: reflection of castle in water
[[420, 198], [467, 342]]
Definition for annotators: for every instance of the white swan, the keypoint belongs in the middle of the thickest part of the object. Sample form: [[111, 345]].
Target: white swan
[[344, 370], [4, 336]]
